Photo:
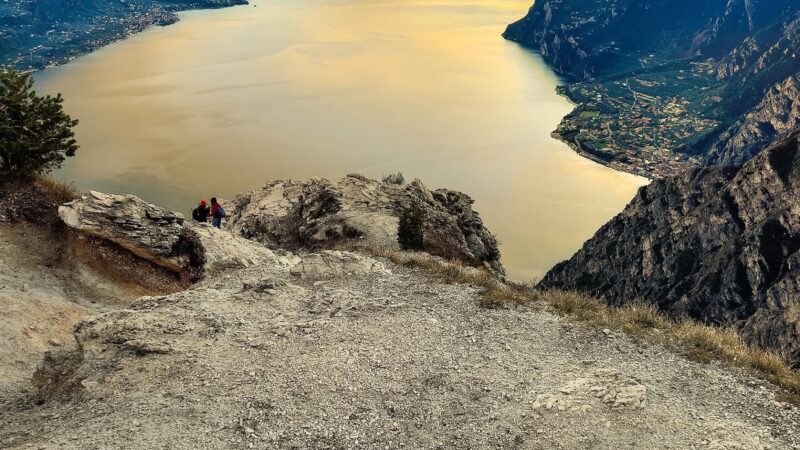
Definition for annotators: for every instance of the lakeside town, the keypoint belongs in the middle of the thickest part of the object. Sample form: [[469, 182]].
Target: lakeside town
[[636, 122]]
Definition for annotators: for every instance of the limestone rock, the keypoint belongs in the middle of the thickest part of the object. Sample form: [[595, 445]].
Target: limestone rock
[[329, 264], [320, 214], [164, 238], [224, 250], [718, 245], [775, 117], [601, 387], [147, 230]]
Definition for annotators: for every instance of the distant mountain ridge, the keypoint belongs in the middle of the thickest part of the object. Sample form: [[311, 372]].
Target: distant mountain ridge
[[743, 54], [39, 33]]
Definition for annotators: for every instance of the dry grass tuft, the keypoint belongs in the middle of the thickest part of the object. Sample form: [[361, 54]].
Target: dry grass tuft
[[695, 340], [698, 341], [59, 191]]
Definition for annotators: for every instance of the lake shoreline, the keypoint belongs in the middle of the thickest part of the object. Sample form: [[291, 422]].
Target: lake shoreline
[[46, 47]]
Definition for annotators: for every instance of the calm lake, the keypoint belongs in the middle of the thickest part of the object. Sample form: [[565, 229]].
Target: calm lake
[[227, 99]]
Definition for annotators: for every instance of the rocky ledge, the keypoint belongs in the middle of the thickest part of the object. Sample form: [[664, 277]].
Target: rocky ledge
[[719, 245], [163, 237], [357, 211]]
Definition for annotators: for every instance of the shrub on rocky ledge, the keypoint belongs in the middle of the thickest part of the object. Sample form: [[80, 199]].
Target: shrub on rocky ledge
[[410, 229]]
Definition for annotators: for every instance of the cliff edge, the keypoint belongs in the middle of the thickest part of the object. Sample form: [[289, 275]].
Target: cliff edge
[[719, 245]]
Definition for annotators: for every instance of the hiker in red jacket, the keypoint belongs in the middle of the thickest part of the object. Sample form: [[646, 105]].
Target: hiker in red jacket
[[217, 213]]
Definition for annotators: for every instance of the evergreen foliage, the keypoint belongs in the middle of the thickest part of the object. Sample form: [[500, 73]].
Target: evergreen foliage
[[409, 231], [36, 135]]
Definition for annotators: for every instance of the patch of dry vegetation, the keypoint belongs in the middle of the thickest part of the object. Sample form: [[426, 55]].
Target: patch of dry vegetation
[[698, 341], [693, 339], [495, 292], [59, 191]]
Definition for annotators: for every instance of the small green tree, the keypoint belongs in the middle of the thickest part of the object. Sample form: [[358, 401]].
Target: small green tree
[[36, 135], [409, 231]]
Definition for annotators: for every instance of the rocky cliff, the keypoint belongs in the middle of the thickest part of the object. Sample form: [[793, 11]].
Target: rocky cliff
[[719, 245], [162, 237], [775, 117], [357, 211], [591, 38], [762, 93]]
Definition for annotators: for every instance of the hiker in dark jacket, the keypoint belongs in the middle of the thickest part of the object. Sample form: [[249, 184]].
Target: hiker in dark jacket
[[217, 213], [200, 214]]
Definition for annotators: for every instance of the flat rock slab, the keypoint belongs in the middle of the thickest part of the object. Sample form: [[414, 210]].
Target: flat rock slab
[[145, 229], [331, 264]]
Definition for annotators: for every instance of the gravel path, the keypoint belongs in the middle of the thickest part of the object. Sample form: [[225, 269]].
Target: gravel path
[[261, 358]]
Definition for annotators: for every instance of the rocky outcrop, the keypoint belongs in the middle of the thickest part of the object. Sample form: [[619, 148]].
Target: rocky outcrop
[[777, 116], [719, 245], [358, 211], [163, 237], [145, 229], [287, 215]]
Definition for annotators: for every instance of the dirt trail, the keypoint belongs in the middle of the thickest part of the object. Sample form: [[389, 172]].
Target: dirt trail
[[261, 358], [45, 288]]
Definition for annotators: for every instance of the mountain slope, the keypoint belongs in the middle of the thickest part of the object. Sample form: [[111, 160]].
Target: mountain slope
[[668, 85], [721, 245], [595, 38]]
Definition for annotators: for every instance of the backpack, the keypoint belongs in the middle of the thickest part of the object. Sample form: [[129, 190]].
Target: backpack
[[220, 212], [196, 214]]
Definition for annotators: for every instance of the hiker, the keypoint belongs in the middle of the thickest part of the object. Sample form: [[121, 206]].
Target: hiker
[[200, 214], [217, 213]]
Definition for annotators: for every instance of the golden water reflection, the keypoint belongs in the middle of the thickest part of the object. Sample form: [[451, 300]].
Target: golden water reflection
[[227, 99]]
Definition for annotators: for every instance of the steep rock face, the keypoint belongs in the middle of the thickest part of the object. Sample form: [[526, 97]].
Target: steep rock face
[[777, 116], [163, 237], [719, 245], [588, 38], [356, 210]]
